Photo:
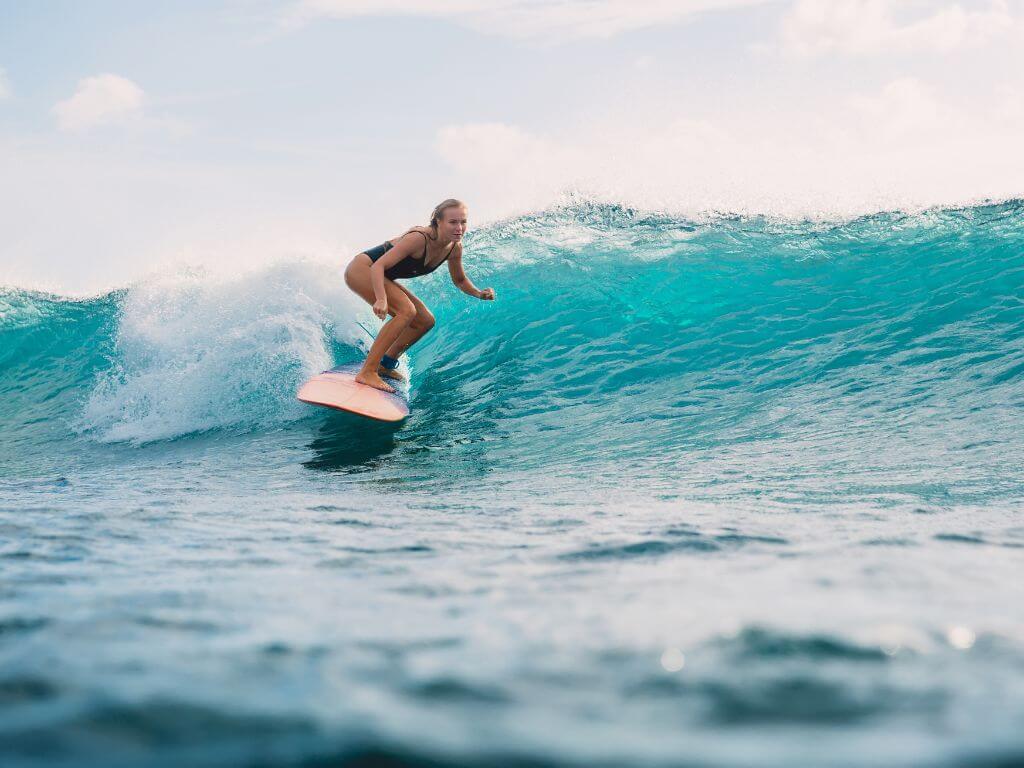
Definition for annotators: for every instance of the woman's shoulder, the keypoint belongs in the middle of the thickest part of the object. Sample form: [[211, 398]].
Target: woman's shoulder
[[425, 231]]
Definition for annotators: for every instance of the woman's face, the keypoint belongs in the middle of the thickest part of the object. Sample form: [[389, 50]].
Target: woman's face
[[452, 225]]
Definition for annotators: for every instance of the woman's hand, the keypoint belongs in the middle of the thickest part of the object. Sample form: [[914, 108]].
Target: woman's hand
[[380, 308], [487, 294]]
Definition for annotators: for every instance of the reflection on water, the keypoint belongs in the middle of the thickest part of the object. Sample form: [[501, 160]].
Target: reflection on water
[[349, 443]]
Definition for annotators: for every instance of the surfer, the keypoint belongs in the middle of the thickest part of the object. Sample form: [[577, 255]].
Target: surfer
[[373, 274]]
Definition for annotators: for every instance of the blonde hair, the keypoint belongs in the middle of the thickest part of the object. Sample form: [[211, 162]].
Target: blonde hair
[[443, 206]]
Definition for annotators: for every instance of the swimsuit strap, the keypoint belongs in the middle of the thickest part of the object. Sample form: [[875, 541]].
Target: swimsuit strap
[[416, 231], [425, 241], [452, 248]]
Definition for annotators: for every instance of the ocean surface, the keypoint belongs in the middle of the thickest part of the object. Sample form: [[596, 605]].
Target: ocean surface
[[717, 492]]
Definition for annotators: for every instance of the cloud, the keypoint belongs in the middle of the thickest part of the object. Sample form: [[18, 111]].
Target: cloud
[[865, 27], [548, 20], [5, 84], [644, 63], [901, 146], [99, 100], [904, 107], [650, 160], [1010, 109], [504, 151]]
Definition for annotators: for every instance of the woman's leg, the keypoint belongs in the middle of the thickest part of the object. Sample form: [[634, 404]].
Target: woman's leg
[[400, 307], [417, 328]]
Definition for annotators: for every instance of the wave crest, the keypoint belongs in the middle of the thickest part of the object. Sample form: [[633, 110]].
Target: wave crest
[[618, 335]]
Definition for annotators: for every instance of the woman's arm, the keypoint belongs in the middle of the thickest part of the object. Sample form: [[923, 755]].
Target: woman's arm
[[464, 283], [404, 246]]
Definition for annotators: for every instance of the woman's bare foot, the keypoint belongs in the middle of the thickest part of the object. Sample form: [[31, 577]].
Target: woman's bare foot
[[391, 373], [371, 379]]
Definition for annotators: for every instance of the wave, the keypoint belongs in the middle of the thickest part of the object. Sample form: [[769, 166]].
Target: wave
[[644, 338], [618, 335], [174, 355]]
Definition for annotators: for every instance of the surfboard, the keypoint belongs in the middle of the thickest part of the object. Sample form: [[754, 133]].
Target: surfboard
[[338, 389]]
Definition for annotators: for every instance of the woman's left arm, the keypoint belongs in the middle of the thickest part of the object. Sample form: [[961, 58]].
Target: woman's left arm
[[464, 283]]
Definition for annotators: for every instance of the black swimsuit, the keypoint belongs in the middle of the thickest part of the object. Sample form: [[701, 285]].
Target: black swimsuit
[[410, 266]]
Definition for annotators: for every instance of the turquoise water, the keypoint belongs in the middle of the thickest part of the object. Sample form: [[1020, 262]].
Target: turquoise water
[[728, 492]]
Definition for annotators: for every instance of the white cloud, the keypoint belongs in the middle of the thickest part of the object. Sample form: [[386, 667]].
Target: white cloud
[[84, 221], [905, 107], [549, 20], [649, 160], [864, 27], [644, 63], [5, 84], [1010, 105], [99, 100], [503, 151], [904, 145]]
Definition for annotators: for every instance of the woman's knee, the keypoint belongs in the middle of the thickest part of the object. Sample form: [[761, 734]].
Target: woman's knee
[[424, 320], [405, 312]]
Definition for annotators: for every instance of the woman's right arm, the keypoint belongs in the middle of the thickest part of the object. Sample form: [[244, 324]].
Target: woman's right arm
[[405, 246]]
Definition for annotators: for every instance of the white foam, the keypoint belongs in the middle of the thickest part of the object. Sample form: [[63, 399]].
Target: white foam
[[197, 352]]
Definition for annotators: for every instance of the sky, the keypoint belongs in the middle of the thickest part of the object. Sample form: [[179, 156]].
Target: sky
[[137, 137]]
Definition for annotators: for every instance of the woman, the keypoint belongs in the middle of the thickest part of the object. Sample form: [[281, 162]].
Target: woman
[[374, 273]]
